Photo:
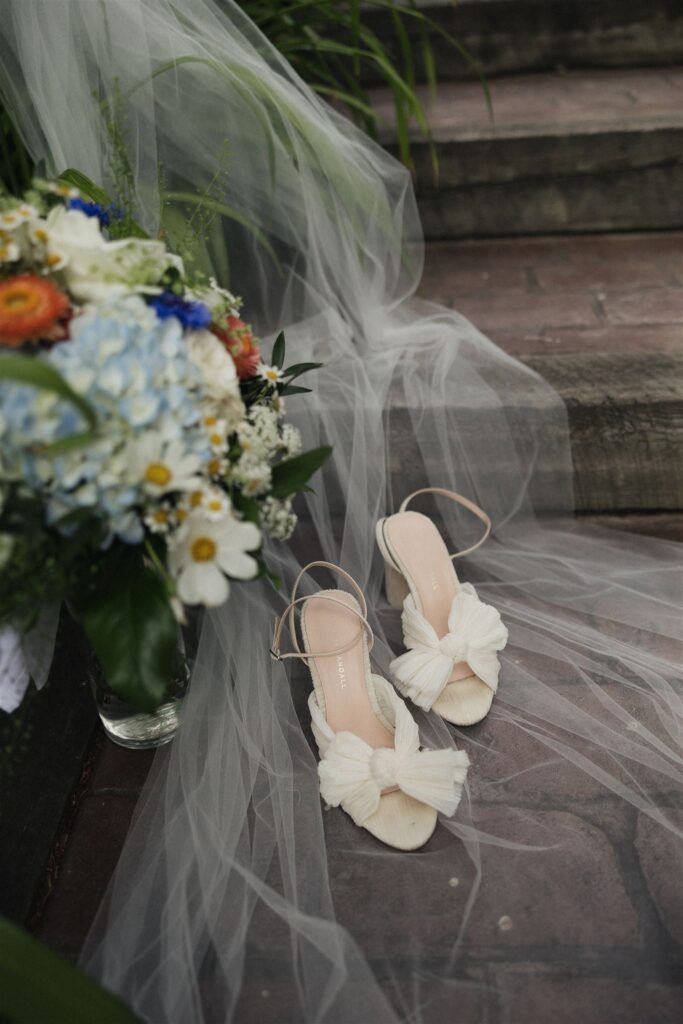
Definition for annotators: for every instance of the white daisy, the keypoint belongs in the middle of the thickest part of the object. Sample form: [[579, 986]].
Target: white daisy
[[270, 373], [9, 250], [161, 465], [216, 431], [159, 520], [203, 552]]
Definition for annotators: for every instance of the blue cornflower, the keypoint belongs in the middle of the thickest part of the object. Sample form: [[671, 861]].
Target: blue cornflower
[[103, 213], [194, 315]]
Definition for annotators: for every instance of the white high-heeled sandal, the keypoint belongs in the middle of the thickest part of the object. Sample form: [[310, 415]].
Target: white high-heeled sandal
[[452, 637], [370, 758]]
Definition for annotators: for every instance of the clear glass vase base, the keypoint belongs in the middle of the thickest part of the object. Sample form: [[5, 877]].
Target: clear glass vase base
[[137, 730]]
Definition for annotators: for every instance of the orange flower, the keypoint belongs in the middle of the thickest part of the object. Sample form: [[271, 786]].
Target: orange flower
[[30, 309], [241, 344]]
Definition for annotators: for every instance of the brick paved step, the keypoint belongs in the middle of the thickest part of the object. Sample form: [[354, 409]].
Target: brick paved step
[[508, 36], [601, 318], [566, 152]]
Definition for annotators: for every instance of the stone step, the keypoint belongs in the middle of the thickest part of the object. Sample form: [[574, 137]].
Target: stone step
[[601, 318], [565, 152], [512, 36]]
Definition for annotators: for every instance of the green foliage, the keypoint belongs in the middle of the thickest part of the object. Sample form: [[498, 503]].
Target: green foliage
[[130, 625], [37, 985], [39, 564], [16, 167], [332, 46], [292, 475], [335, 49], [123, 227]]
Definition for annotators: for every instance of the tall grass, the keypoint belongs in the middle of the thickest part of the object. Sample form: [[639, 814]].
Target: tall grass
[[16, 168], [333, 48]]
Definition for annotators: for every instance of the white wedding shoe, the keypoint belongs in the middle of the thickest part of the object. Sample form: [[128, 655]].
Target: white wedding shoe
[[370, 758], [452, 637]]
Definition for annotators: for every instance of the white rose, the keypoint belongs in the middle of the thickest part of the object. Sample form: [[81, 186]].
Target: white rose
[[95, 269], [216, 365]]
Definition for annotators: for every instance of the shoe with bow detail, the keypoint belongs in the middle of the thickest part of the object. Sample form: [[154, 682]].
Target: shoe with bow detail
[[453, 638], [371, 764]]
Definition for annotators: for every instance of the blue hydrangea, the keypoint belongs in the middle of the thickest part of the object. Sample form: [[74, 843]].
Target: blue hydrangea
[[134, 370], [193, 315]]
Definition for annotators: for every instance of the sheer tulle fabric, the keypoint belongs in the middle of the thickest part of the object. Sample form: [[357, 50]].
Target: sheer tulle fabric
[[237, 896]]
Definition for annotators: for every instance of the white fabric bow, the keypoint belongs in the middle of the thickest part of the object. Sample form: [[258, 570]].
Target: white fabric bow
[[476, 634], [354, 774]]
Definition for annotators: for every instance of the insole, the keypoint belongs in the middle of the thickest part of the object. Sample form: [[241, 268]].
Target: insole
[[326, 626], [420, 550]]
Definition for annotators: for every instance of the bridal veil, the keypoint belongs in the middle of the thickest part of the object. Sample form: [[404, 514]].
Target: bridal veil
[[238, 896]]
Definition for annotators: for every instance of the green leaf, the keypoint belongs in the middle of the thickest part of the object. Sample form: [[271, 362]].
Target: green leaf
[[86, 186], [249, 508], [296, 369], [67, 444], [294, 389], [279, 350], [225, 210], [133, 633], [37, 374], [37, 985], [293, 474], [96, 194]]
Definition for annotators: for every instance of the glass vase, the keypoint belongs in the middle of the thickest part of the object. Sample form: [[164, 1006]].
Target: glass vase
[[124, 723]]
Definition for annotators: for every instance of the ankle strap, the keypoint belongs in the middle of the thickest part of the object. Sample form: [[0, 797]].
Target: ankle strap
[[289, 614], [459, 500]]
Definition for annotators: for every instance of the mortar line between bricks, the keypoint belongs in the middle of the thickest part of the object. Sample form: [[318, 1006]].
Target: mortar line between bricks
[[588, 961], [658, 942], [63, 835]]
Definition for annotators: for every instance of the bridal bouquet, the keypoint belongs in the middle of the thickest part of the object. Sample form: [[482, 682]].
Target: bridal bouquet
[[144, 453]]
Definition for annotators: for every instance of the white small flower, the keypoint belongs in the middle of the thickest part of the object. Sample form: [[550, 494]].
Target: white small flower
[[56, 188], [213, 502], [291, 439], [160, 465], [216, 431], [221, 302], [270, 373], [253, 477], [202, 552], [9, 250], [265, 422], [26, 212], [217, 467], [158, 520], [277, 518], [251, 443], [10, 220]]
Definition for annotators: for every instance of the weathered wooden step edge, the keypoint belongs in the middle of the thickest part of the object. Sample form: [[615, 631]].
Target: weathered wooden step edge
[[625, 415], [577, 152], [509, 36], [621, 181]]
